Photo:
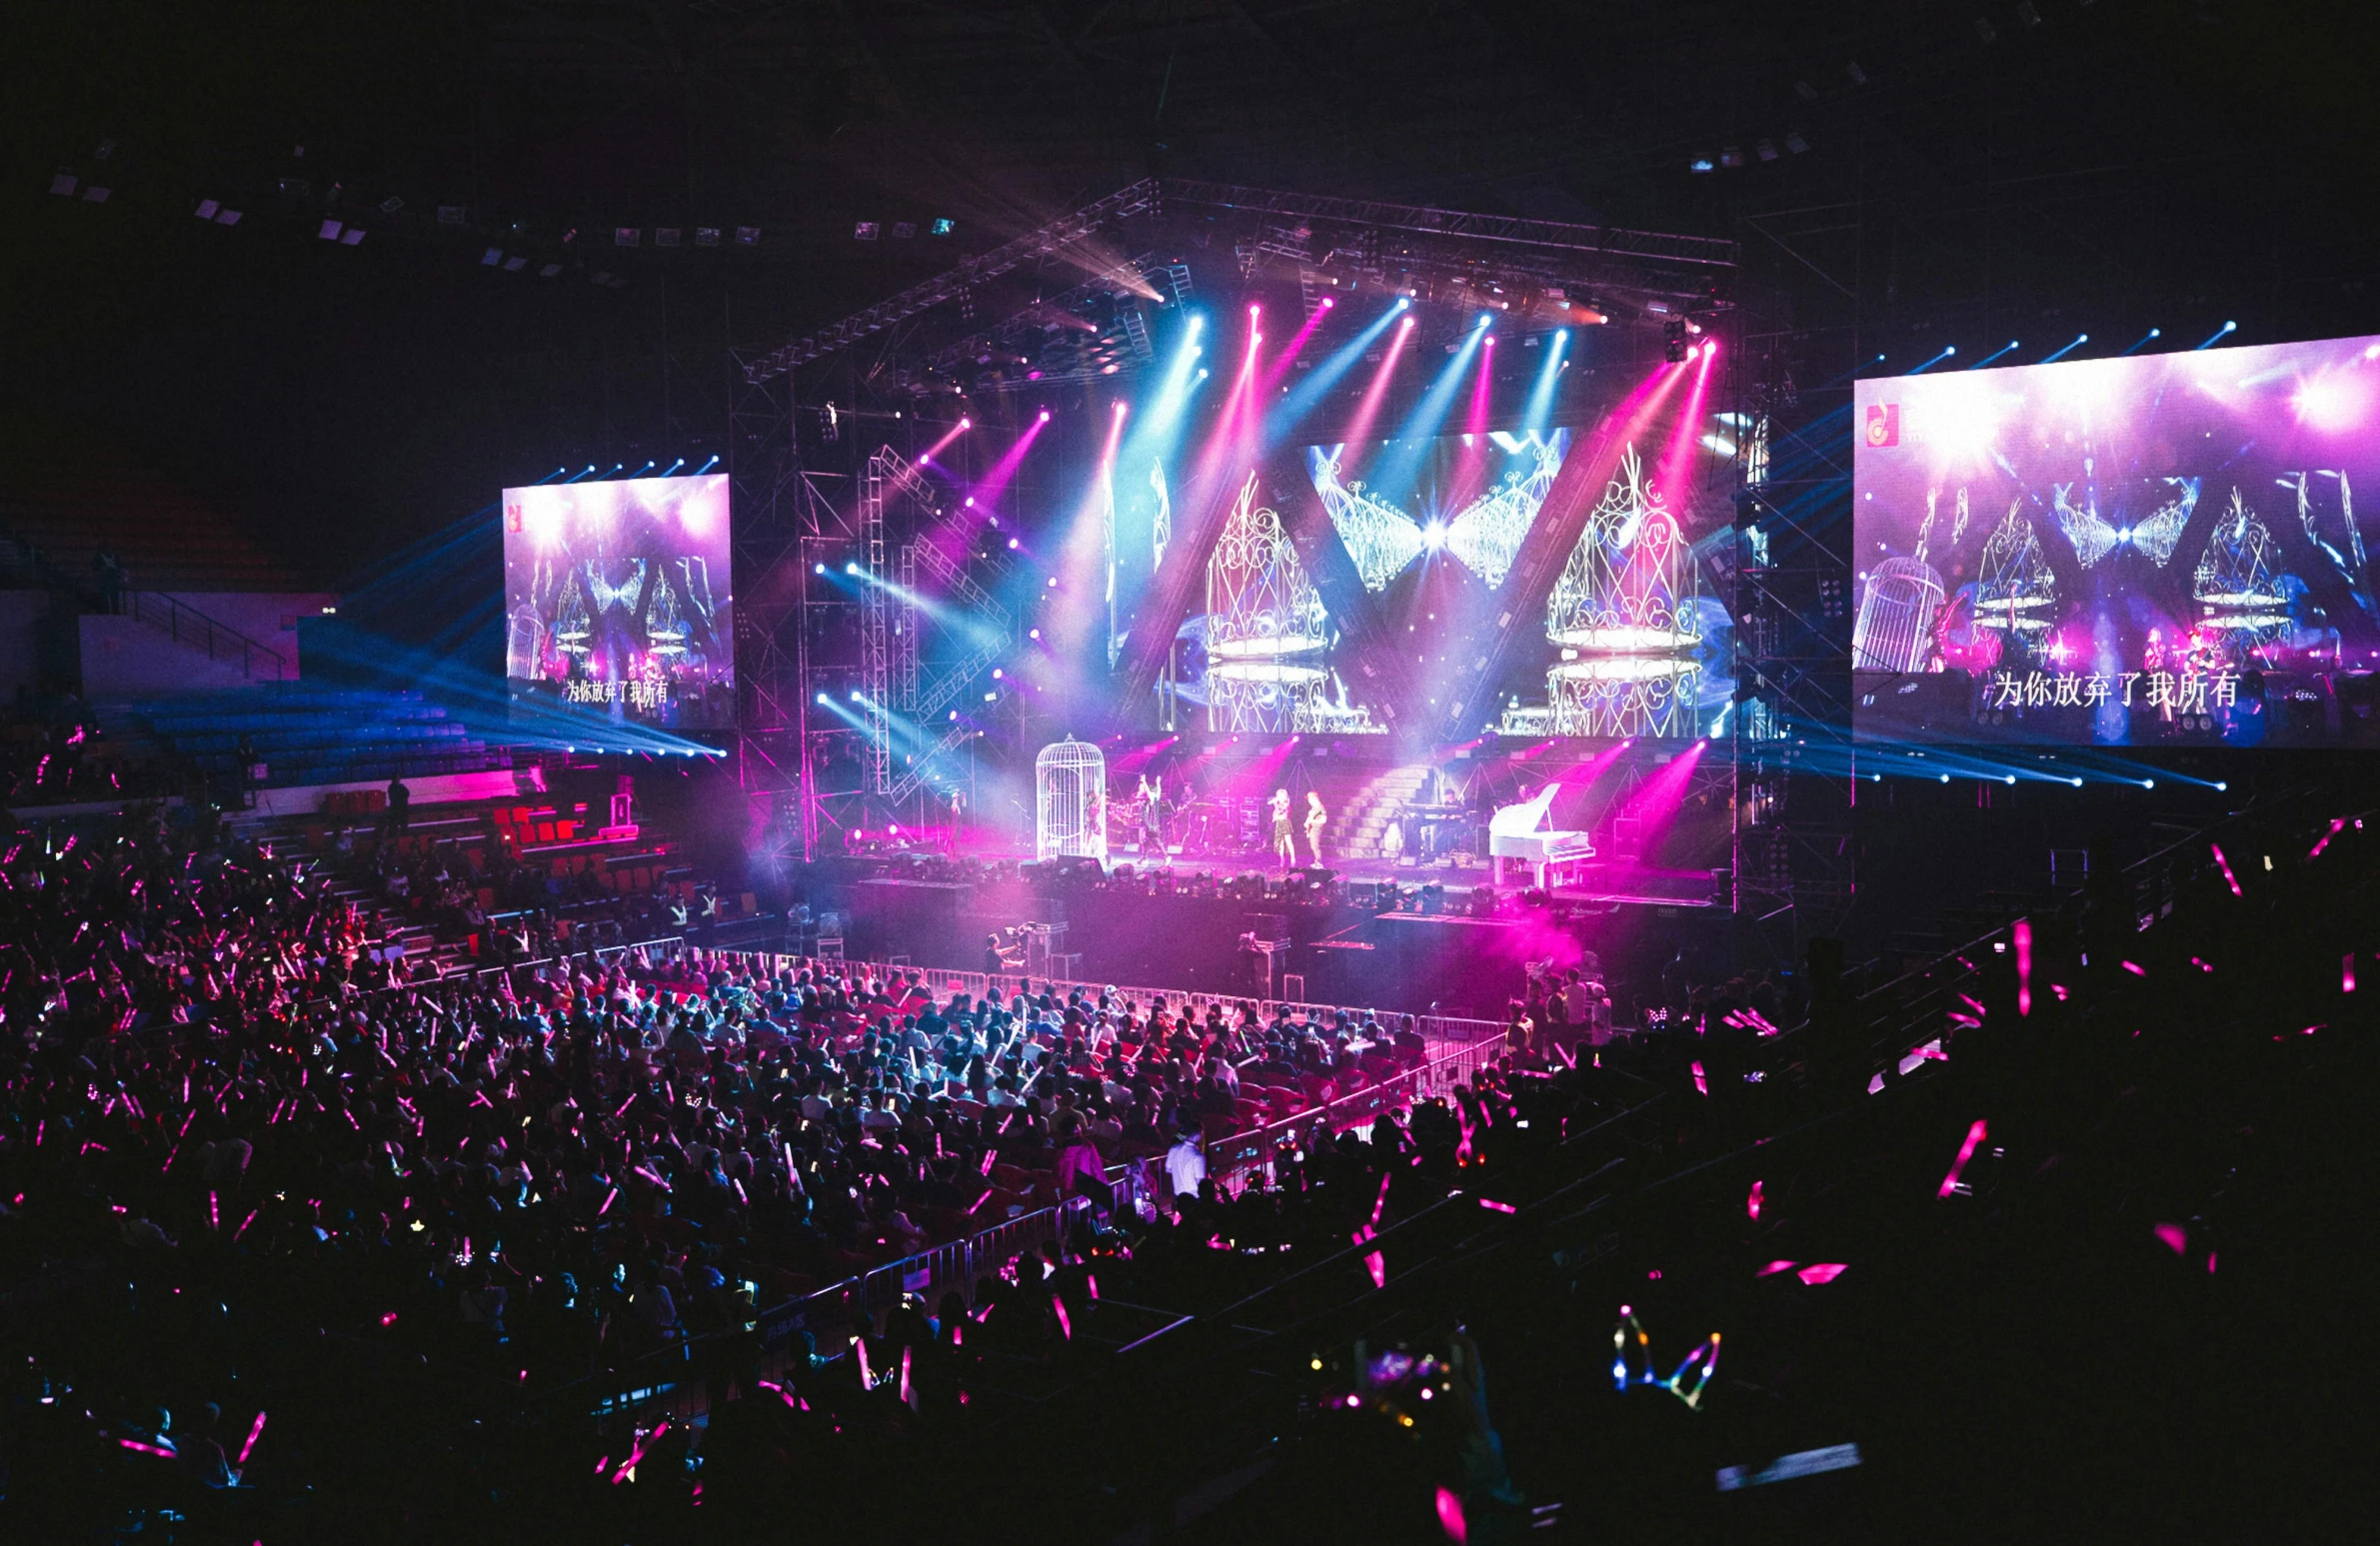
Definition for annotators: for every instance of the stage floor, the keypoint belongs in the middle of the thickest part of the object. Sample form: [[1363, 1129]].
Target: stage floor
[[1594, 884]]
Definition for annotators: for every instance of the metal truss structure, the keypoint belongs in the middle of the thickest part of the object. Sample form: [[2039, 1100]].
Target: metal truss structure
[[1641, 266], [1789, 734], [1060, 236]]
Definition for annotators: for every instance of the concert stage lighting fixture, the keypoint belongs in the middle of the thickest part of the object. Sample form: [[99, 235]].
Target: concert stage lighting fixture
[[1948, 350], [2225, 331], [2061, 353], [1994, 355], [2151, 334]]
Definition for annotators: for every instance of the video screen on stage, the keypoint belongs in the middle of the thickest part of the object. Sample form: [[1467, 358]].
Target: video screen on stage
[[2145, 549], [1547, 584], [616, 602]]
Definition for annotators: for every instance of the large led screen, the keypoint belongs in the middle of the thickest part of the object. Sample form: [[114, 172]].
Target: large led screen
[[616, 602], [2147, 550], [1540, 585]]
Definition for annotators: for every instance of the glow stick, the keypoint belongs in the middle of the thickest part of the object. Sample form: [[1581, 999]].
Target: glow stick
[[2023, 932], [1752, 1204], [254, 1434], [1966, 1151], [2224, 864]]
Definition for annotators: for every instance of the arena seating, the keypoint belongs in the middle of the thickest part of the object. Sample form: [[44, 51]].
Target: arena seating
[[312, 735]]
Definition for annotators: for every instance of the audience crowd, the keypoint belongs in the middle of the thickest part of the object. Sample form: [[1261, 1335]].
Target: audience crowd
[[249, 1172]]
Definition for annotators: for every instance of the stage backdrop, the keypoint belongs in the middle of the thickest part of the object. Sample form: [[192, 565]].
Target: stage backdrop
[[1365, 589], [616, 602], [2154, 549]]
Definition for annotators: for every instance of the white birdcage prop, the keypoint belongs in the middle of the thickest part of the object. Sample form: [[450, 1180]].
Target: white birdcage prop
[[1070, 802], [2241, 601], [2016, 592], [1624, 613], [1895, 627], [1264, 625]]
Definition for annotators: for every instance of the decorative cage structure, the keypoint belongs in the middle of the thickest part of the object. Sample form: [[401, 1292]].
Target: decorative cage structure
[[1070, 816], [2240, 601], [1264, 622], [1895, 627], [2016, 592], [1623, 613]]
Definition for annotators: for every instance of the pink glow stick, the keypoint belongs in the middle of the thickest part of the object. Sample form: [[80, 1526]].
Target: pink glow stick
[[1066, 1328], [1500, 1208], [1821, 1272], [1752, 1204], [2224, 864], [1966, 1151], [2024, 968], [254, 1434]]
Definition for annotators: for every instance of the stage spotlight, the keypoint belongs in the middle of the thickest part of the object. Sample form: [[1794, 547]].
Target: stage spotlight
[[1035, 634], [855, 697], [821, 697], [2148, 783], [851, 568], [2077, 782], [1044, 415], [998, 673], [1433, 535], [818, 569]]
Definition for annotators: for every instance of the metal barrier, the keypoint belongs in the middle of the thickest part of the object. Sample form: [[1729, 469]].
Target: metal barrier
[[1454, 1031], [1231, 1162], [666, 1383]]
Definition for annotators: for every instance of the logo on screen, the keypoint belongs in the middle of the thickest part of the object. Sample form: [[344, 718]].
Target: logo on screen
[[1884, 424], [512, 519]]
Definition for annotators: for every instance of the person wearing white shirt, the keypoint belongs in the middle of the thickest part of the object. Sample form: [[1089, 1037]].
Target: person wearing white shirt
[[1186, 1165]]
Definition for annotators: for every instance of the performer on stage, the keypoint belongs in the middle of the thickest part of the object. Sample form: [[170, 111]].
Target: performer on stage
[[1152, 817], [1316, 820], [1282, 843]]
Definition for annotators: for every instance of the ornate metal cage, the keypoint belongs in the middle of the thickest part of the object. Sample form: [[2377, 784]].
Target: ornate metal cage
[[1070, 802]]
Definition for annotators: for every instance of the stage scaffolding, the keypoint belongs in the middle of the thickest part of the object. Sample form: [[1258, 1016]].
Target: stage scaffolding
[[791, 518]]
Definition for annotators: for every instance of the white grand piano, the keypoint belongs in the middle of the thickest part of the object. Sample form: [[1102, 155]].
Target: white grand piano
[[1519, 831]]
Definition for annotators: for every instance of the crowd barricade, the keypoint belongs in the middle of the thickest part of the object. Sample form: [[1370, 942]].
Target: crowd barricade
[[1233, 1162], [668, 1384], [1449, 1030]]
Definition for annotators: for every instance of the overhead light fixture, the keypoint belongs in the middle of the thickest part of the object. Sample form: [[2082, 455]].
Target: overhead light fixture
[[351, 236], [944, 226], [747, 236], [706, 236], [864, 231]]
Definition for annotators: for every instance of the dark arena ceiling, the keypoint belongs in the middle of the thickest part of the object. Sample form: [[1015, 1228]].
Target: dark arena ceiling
[[1890, 170]]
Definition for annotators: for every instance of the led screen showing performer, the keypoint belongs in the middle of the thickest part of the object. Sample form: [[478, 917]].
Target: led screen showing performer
[[617, 601], [2144, 549]]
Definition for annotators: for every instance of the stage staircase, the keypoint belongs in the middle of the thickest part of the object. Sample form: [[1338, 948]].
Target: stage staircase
[[1360, 825]]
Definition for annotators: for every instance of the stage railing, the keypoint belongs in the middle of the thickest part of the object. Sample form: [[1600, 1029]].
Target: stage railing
[[1454, 1031], [1232, 1162]]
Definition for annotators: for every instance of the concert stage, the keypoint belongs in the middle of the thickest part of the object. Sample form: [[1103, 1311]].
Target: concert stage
[[1401, 937]]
